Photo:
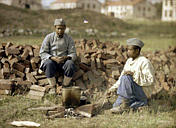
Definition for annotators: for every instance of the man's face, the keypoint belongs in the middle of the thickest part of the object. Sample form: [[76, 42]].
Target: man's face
[[132, 52], [60, 29]]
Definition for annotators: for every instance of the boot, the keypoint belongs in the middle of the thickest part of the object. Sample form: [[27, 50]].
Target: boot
[[122, 108], [52, 85], [66, 81]]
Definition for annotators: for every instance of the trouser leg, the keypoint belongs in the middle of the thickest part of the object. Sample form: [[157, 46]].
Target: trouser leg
[[128, 89], [69, 69], [50, 68]]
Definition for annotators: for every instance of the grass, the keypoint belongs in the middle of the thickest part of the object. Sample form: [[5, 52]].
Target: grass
[[152, 42], [155, 34], [161, 114]]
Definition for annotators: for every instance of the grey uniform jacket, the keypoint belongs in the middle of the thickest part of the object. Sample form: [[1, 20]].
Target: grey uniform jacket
[[54, 46]]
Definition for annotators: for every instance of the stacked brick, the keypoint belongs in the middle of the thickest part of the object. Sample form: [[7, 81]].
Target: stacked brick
[[164, 63], [18, 66], [99, 65]]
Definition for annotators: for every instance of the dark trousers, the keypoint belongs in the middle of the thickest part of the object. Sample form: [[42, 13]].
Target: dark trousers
[[130, 90], [51, 67]]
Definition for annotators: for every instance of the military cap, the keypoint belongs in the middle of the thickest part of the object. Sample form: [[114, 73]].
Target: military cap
[[136, 42], [59, 22]]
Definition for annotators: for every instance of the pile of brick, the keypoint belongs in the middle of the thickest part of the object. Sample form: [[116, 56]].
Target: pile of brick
[[164, 63], [99, 65]]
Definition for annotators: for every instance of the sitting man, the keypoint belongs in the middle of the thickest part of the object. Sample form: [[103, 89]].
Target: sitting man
[[136, 81], [58, 54]]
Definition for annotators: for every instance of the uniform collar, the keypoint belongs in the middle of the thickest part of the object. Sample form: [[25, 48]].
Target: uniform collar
[[57, 37]]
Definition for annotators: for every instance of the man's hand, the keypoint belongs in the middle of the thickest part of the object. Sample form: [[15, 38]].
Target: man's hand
[[60, 59], [128, 73], [111, 91]]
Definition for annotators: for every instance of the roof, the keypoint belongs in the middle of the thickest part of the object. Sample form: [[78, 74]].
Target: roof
[[69, 1], [123, 2], [65, 1]]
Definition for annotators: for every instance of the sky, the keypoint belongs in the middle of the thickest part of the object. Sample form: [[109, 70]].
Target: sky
[[47, 2]]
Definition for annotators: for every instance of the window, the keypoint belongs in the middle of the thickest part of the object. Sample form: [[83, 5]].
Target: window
[[94, 6], [144, 14], [88, 5], [166, 2], [149, 9], [139, 8], [171, 13], [166, 13], [82, 5], [112, 14], [27, 6], [171, 2]]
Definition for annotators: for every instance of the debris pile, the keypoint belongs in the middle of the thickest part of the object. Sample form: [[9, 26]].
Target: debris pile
[[99, 66], [59, 111]]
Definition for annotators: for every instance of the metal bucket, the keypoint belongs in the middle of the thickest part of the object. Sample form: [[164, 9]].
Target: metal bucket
[[71, 96], [66, 97], [75, 96]]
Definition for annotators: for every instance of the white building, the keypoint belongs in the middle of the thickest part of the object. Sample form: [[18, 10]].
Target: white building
[[93, 5], [169, 10], [129, 9], [7, 2], [28, 4]]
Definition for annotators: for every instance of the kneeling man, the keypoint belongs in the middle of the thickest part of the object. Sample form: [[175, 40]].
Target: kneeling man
[[136, 81]]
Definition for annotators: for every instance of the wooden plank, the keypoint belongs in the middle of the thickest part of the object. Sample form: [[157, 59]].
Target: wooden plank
[[7, 82], [5, 92], [31, 78], [57, 115], [78, 74], [25, 54], [36, 93], [23, 83], [84, 67], [18, 67], [12, 51], [18, 73], [39, 77], [34, 97], [38, 88], [5, 86], [43, 82], [85, 110], [51, 108]]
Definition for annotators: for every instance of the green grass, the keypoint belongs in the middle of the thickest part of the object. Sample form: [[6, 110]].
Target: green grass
[[155, 34], [161, 114], [152, 42]]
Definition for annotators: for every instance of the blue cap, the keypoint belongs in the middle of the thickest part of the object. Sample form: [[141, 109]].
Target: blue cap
[[59, 22], [135, 42]]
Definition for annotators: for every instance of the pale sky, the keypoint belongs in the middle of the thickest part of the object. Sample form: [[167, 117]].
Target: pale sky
[[47, 2]]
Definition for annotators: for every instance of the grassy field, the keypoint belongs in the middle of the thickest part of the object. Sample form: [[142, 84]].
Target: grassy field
[[161, 114], [152, 42], [155, 34]]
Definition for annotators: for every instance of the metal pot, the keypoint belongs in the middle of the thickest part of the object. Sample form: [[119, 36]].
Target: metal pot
[[66, 97], [71, 96], [75, 96]]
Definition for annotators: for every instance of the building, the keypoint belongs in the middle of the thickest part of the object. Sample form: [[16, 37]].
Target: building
[[129, 9], [28, 4], [93, 5], [7, 2], [169, 10]]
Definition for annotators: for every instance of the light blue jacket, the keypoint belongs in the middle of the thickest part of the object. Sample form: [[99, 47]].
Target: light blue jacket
[[54, 46]]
